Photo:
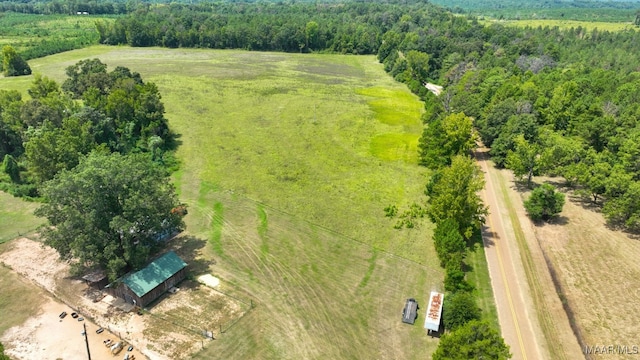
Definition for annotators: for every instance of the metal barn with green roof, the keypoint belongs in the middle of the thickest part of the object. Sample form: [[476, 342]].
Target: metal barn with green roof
[[145, 285]]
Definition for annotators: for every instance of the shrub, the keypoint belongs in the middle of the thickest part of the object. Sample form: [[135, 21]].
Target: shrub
[[544, 203]]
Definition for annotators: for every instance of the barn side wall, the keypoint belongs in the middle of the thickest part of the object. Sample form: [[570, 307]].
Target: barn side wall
[[122, 291]]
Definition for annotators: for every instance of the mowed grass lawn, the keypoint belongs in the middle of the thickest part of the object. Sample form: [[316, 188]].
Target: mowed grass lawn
[[16, 217], [19, 298], [288, 161]]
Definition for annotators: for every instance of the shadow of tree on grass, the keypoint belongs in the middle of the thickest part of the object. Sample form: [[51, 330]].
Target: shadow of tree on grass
[[189, 248]]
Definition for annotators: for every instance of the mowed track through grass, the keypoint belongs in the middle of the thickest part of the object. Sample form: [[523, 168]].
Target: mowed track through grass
[[286, 178]]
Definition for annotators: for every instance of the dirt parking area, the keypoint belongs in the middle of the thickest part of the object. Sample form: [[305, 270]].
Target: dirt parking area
[[47, 336]]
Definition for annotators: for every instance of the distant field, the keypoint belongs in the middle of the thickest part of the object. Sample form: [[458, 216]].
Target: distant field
[[35, 35], [566, 24]]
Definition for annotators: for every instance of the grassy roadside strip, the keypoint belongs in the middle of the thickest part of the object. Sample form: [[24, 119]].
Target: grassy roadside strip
[[544, 317], [479, 277]]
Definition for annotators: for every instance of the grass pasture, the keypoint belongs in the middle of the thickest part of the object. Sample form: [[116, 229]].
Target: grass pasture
[[19, 299], [288, 161], [317, 294], [16, 217]]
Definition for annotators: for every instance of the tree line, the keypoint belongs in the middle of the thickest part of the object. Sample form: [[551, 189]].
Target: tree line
[[68, 7], [297, 27], [454, 206]]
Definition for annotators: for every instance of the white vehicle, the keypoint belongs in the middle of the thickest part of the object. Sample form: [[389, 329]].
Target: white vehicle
[[115, 349]]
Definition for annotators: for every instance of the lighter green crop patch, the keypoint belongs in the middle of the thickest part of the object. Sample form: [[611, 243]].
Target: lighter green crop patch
[[393, 106], [217, 222], [399, 110], [393, 147]]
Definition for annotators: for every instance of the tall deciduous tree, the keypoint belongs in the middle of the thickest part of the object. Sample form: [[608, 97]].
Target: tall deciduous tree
[[454, 195], [443, 139], [448, 241], [42, 86], [523, 161], [12, 63], [454, 276], [50, 150], [459, 309], [89, 73], [475, 340], [525, 124], [110, 211], [625, 209], [11, 168], [418, 63]]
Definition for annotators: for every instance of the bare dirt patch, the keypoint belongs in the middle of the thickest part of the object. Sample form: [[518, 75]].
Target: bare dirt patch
[[35, 261]]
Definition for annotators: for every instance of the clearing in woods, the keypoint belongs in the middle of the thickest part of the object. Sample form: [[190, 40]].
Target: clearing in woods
[[288, 161]]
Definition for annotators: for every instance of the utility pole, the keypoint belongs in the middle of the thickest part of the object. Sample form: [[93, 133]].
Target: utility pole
[[86, 339]]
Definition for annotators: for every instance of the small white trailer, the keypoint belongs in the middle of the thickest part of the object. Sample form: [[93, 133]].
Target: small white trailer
[[434, 312]]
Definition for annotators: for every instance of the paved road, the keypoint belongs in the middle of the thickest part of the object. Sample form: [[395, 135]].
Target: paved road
[[518, 320]]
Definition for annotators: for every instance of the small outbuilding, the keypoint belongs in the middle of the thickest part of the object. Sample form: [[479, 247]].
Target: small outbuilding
[[144, 286], [96, 279], [410, 311]]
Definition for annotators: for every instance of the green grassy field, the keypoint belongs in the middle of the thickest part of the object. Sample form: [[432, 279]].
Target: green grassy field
[[16, 217], [19, 299], [288, 161]]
